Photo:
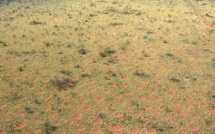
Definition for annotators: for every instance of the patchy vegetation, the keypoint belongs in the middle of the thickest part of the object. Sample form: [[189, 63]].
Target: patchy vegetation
[[107, 66], [63, 84]]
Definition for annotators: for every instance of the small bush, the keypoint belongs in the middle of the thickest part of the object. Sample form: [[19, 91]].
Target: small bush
[[63, 84], [107, 52], [141, 75], [48, 128], [82, 51], [36, 23]]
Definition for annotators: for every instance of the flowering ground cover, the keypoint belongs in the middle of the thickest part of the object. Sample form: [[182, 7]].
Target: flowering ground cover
[[107, 67]]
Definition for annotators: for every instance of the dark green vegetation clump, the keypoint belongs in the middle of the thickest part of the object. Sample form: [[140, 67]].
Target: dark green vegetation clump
[[14, 97], [85, 75], [36, 23], [208, 15], [112, 60], [116, 24], [141, 75], [21, 68], [169, 55], [48, 128], [107, 52], [66, 72], [159, 126], [63, 84], [3, 43], [82, 51], [28, 110], [174, 80], [101, 115]]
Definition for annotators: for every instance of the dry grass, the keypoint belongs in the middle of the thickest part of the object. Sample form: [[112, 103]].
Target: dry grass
[[107, 67]]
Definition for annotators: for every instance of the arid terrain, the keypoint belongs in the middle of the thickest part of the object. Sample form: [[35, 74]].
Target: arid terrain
[[107, 67]]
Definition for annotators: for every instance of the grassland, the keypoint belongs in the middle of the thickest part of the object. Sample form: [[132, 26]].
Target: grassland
[[107, 67]]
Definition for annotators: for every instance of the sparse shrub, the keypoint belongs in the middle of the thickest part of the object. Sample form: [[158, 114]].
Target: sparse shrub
[[21, 68], [36, 23], [169, 54], [48, 44], [82, 51], [116, 24], [107, 52], [3, 43], [141, 75], [64, 83], [66, 72], [165, 41], [174, 80], [103, 54], [85, 75], [28, 110], [101, 115], [48, 128]]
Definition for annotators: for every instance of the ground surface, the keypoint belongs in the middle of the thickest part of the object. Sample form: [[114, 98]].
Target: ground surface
[[109, 67]]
